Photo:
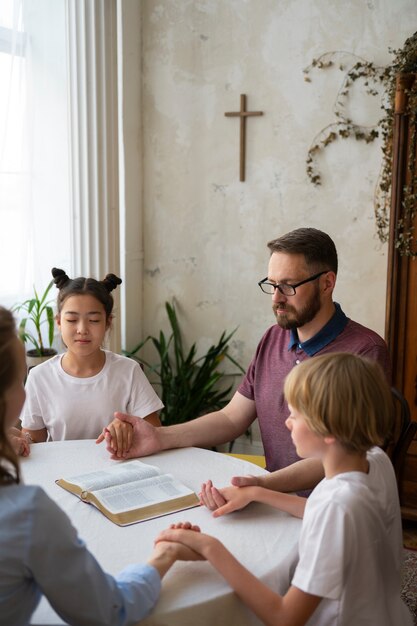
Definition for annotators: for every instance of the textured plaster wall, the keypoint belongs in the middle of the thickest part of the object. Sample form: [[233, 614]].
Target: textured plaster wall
[[204, 231]]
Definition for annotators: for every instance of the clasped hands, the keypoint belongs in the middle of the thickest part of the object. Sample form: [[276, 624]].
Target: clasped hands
[[118, 436], [221, 501], [18, 441], [228, 499]]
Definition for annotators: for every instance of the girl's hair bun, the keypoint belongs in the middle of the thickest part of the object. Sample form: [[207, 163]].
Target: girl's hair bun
[[111, 281], [60, 278]]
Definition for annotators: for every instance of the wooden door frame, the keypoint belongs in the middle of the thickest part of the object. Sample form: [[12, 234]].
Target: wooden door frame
[[401, 301]]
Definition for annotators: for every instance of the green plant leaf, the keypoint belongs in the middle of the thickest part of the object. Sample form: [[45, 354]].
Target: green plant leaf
[[32, 305], [189, 386], [38, 312], [51, 324]]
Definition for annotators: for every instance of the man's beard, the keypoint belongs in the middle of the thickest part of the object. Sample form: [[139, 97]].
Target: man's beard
[[294, 318]]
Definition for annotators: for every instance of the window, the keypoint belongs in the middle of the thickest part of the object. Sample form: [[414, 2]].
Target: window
[[35, 217]]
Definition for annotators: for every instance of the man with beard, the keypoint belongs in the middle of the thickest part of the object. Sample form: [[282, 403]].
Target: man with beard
[[301, 278]]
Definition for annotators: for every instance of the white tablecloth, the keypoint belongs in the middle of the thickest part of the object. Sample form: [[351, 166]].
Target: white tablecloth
[[193, 594]]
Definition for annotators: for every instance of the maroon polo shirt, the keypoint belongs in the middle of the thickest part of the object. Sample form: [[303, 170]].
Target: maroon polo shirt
[[277, 353]]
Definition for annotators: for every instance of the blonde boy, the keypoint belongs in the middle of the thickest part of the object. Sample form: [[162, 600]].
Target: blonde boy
[[350, 547]]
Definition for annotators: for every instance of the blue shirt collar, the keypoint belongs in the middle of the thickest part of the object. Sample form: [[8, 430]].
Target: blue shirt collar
[[326, 335]]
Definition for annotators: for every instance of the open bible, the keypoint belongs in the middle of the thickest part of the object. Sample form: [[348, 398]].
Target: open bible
[[131, 492]]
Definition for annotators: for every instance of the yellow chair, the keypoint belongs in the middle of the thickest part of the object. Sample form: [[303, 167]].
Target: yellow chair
[[251, 458]]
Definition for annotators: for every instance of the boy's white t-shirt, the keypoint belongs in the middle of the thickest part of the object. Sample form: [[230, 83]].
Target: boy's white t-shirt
[[350, 548], [79, 408]]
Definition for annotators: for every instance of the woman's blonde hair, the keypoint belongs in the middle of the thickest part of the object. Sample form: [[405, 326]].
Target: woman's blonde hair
[[8, 373], [343, 395]]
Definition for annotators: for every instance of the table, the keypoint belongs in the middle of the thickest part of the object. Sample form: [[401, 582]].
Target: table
[[192, 593]]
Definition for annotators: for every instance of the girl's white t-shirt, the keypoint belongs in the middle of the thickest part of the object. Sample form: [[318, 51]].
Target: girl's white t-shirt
[[79, 408]]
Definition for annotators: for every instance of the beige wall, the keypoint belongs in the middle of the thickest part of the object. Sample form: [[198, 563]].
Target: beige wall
[[204, 232]]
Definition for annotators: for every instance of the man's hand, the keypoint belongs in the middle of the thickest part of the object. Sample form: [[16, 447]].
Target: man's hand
[[144, 438], [245, 481], [227, 500]]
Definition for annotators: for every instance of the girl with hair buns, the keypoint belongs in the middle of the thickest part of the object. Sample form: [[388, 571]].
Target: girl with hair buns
[[40, 551], [75, 395]]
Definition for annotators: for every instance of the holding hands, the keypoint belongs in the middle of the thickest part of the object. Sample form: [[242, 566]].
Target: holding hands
[[246, 489], [228, 499], [130, 437], [167, 551], [190, 538], [19, 442], [118, 436]]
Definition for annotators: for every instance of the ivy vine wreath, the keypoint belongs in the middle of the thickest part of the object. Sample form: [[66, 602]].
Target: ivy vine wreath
[[383, 82]]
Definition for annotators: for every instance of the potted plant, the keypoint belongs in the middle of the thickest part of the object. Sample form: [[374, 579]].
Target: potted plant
[[38, 313], [189, 385]]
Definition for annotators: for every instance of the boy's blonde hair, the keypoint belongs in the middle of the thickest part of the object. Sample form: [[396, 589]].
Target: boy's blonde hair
[[343, 395]]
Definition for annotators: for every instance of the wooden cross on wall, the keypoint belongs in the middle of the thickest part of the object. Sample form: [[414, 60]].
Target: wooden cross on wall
[[243, 114]]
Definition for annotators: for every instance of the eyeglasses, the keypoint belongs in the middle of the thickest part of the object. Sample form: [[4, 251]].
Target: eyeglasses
[[284, 288]]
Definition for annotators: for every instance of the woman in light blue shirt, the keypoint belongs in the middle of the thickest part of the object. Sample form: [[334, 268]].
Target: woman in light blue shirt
[[40, 552]]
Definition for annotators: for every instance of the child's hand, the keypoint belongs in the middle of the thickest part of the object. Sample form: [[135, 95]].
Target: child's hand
[[19, 442], [223, 501], [188, 536], [210, 497], [165, 553], [186, 526], [118, 435], [146, 439], [170, 550]]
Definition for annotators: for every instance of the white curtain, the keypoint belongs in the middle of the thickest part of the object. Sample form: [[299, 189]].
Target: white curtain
[[59, 166], [35, 214]]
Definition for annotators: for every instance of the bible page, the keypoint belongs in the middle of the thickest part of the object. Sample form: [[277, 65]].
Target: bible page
[[142, 493], [116, 475]]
